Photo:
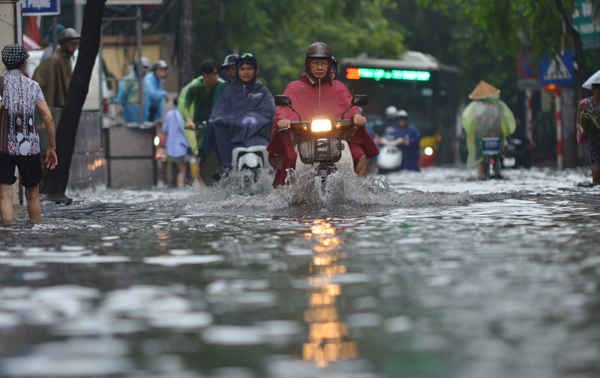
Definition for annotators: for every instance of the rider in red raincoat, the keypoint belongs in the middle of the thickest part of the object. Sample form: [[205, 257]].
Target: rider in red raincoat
[[316, 93]]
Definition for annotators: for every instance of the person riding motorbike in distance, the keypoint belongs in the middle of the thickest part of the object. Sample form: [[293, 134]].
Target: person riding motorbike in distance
[[317, 93], [243, 114], [408, 137]]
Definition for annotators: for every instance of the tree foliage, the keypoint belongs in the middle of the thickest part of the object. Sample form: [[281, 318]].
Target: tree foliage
[[279, 32], [510, 25]]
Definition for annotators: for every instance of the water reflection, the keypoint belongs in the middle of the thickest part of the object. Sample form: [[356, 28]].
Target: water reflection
[[328, 336], [163, 237]]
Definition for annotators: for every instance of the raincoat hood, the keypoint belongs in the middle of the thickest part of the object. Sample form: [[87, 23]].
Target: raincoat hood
[[594, 79]]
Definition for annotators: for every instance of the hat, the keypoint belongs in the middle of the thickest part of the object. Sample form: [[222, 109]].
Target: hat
[[145, 62], [160, 64], [484, 90], [592, 80], [391, 111], [69, 34], [247, 58], [50, 33], [230, 60], [402, 114], [13, 56]]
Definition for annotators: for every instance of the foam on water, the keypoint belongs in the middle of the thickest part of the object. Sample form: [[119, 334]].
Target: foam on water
[[184, 260]]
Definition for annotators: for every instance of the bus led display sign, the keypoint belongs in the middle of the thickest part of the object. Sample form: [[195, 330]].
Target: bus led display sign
[[357, 73]]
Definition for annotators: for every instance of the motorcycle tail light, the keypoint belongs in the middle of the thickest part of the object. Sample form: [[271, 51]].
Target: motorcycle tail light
[[320, 125]]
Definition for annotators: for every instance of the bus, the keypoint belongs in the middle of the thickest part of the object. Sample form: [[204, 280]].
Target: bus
[[417, 83]]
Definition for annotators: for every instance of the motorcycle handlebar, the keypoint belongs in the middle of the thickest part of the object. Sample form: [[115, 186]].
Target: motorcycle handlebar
[[299, 125], [344, 123]]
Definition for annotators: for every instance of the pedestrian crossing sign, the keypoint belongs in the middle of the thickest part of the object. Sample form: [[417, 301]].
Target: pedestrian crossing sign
[[557, 69]]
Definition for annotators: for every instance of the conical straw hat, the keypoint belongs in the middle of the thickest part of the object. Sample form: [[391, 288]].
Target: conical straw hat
[[483, 90]]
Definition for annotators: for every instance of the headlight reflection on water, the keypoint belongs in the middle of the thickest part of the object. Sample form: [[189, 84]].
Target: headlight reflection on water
[[328, 335]]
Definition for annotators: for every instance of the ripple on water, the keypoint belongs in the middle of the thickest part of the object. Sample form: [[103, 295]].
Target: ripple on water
[[364, 320], [232, 372], [97, 325], [181, 321], [71, 358], [8, 320], [399, 324], [234, 335]]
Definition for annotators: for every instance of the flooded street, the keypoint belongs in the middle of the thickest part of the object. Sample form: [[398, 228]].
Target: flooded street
[[420, 275]]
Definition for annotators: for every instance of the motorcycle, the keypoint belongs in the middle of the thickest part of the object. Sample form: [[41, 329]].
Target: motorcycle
[[249, 159], [492, 154], [515, 153], [320, 141], [249, 162], [390, 156]]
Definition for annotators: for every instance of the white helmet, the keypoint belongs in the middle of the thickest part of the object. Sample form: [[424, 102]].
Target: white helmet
[[402, 114], [390, 111]]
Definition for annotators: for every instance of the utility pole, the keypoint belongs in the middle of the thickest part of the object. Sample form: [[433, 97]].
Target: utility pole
[[187, 42], [69, 121]]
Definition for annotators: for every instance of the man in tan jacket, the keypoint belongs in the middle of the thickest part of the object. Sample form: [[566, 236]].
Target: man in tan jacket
[[54, 74]]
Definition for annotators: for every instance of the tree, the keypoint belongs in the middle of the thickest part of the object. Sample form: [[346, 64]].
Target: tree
[[69, 121], [186, 41], [279, 32]]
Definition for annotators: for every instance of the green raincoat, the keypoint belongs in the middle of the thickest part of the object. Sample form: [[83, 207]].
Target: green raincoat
[[483, 118], [196, 101]]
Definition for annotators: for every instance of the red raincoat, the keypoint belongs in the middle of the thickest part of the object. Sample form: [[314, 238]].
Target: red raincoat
[[312, 100]]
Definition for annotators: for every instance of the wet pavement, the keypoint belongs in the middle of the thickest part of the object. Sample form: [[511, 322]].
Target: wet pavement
[[417, 275]]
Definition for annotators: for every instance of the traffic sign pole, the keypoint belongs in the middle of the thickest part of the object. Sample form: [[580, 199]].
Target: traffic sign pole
[[559, 136], [529, 115]]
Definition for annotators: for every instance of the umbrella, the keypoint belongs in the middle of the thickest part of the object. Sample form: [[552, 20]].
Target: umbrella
[[594, 79]]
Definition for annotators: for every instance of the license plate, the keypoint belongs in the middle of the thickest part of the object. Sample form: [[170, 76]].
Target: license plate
[[509, 162]]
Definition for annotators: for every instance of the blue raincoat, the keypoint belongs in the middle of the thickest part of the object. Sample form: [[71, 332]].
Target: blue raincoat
[[242, 117], [410, 152], [155, 94], [128, 97]]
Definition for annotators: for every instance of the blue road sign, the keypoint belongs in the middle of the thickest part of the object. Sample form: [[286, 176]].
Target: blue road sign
[[41, 7], [557, 69]]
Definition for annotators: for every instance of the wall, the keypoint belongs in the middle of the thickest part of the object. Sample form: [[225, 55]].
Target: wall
[[8, 25], [119, 52]]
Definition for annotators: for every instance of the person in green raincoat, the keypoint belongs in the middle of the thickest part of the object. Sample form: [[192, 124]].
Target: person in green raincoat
[[485, 116], [196, 102]]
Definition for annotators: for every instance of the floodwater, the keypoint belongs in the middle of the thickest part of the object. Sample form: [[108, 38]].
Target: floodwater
[[416, 275]]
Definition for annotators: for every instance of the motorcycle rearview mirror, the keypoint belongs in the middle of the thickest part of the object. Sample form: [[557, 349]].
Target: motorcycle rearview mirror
[[282, 100], [360, 100], [357, 100]]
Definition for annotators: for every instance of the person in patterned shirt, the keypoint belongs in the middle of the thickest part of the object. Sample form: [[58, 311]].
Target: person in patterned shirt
[[19, 138]]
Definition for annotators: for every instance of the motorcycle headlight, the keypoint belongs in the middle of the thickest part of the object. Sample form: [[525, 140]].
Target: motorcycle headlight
[[320, 125], [428, 151]]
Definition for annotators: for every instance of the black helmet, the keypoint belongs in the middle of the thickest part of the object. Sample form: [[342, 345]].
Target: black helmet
[[69, 34], [13, 56], [247, 58], [319, 50], [230, 60]]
